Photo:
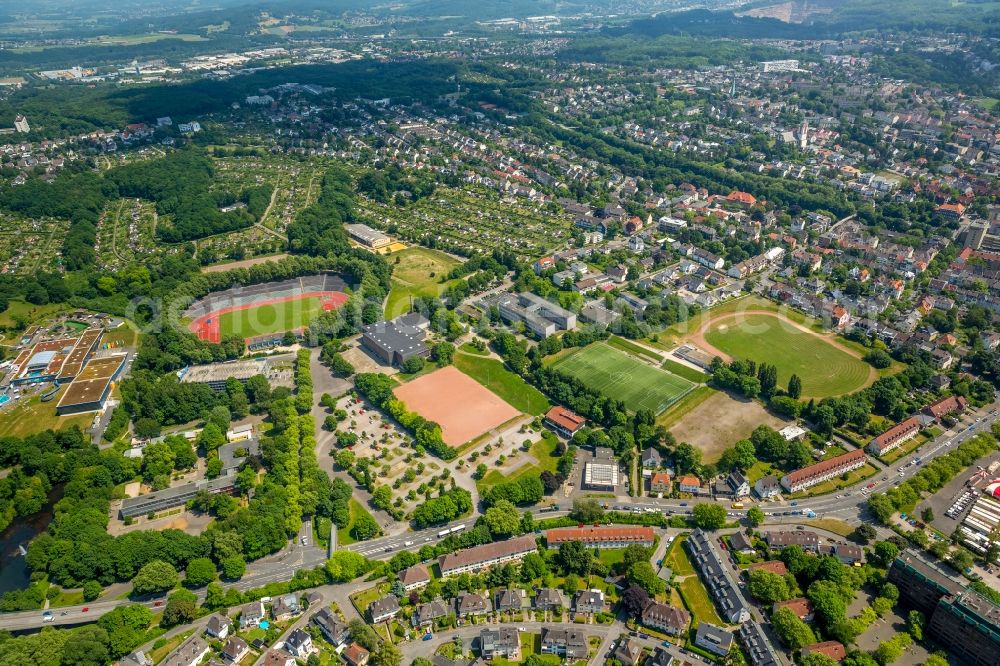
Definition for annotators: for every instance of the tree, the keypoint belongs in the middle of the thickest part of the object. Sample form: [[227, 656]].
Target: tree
[[126, 628], [575, 558], [687, 458], [533, 567], [794, 387], [755, 516], [502, 519], [915, 622], [345, 566], [884, 553], [363, 635], [442, 353], [387, 655], [200, 572], [233, 567], [634, 600], [365, 527], [768, 587], [792, 631], [181, 608], [635, 553], [156, 576], [643, 575], [816, 659], [827, 601], [864, 534], [709, 516], [91, 590], [413, 365], [587, 510]]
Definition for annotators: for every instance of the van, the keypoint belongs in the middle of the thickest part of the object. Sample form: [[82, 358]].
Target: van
[[407, 543]]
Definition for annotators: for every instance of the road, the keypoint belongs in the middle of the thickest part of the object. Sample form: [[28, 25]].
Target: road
[[848, 505]]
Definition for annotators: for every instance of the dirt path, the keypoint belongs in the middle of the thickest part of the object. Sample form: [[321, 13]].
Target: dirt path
[[270, 205], [698, 337]]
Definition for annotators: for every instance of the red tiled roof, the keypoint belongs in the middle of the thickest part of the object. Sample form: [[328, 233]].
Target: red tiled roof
[[771, 566], [688, 480], [802, 607], [742, 197], [659, 478], [825, 466], [600, 534], [565, 418], [831, 649], [893, 434], [951, 403]]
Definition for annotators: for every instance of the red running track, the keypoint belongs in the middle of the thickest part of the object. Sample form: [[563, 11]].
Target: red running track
[[206, 327]]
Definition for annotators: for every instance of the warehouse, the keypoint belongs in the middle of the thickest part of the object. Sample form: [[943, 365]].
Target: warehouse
[[367, 236]]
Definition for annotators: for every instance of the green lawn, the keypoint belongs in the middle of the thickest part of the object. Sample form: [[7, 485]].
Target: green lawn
[[630, 347], [32, 416], [681, 370], [270, 318], [356, 509], [544, 451], [684, 406], [510, 387], [622, 377], [696, 598], [676, 558], [24, 312], [416, 271], [904, 449], [824, 369]]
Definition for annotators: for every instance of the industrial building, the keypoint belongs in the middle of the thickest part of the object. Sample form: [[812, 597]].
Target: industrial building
[[367, 236], [396, 341], [278, 370]]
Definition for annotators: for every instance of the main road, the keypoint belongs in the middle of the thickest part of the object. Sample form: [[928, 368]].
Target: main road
[[848, 504]]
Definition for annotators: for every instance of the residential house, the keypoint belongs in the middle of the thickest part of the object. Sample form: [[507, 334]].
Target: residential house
[[767, 487], [588, 601], [734, 485], [758, 646], [218, 626], [849, 553], [383, 609], [355, 655], [651, 458], [299, 643], [803, 538], [549, 598], [952, 404], [668, 619], [508, 600], [832, 649], [568, 643], [714, 639], [824, 470], [894, 437], [334, 631], [660, 657], [469, 604], [602, 536], [278, 658], [137, 658], [689, 484], [776, 567], [251, 614], [415, 577], [802, 608], [714, 572], [564, 421], [739, 543], [627, 652], [659, 482], [500, 642], [285, 607], [188, 653], [235, 649], [426, 614], [485, 556]]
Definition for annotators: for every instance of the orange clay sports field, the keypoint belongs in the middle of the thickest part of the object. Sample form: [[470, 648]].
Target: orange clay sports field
[[463, 407]]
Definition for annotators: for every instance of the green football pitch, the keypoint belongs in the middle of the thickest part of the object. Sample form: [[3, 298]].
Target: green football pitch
[[270, 318], [825, 370], [622, 377]]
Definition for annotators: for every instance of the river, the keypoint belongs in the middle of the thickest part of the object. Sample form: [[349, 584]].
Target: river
[[14, 573]]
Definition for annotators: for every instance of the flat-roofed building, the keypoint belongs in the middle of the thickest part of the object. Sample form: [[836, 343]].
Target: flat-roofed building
[[920, 584], [397, 341], [969, 625], [278, 370], [168, 498], [91, 387]]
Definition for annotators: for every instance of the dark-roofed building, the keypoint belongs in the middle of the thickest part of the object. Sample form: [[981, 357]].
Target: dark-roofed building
[[740, 543], [969, 625], [588, 601], [651, 458], [168, 498], [760, 650], [383, 609], [469, 604], [804, 538], [508, 600], [395, 342], [235, 649], [569, 643], [920, 585], [660, 657], [218, 626], [426, 614], [952, 404], [500, 642], [188, 653], [849, 553], [487, 555], [713, 571], [278, 658], [299, 643], [628, 651], [334, 631], [549, 598], [668, 619], [767, 487], [734, 485], [714, 639]]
